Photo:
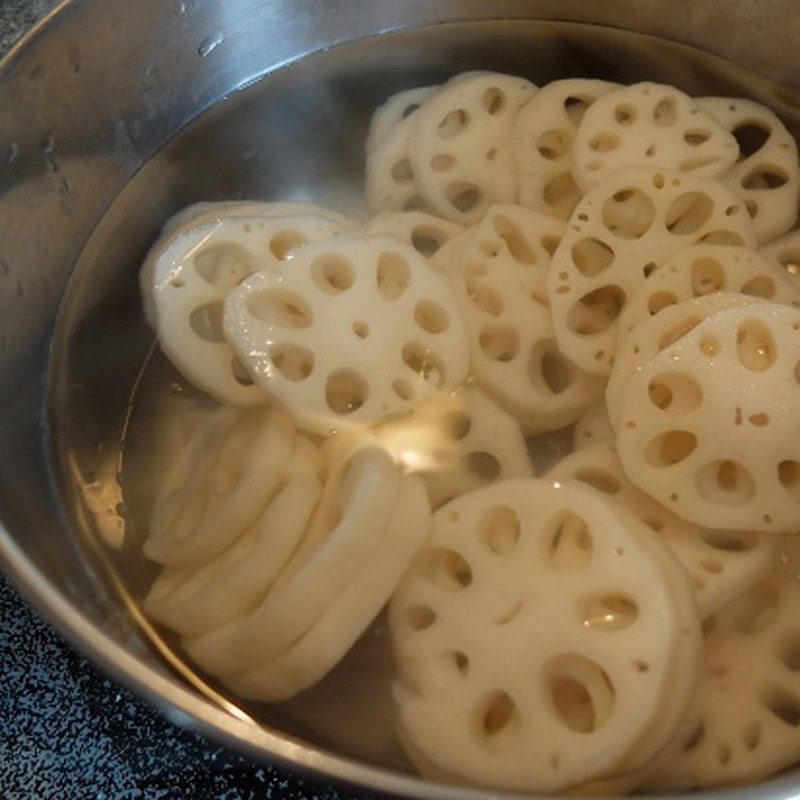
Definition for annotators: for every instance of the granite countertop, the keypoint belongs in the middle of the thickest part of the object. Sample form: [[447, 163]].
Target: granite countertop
[[66, 730]]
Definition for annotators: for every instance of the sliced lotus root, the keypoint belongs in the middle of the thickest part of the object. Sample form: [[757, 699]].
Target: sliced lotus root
[[424, 232], [190, 279], [358, 515], [195, 599], [703, 269], [458, 443], [721, 564], [308, 660], [749, 698], [390, 179], [619, 233], [537, 637], [499, 275], [786, 252], [228, 474], [654, 125], [708, 426], [351, 331], [544, 133], [593, 427], [766, 175], [662, 330], [460, 147]]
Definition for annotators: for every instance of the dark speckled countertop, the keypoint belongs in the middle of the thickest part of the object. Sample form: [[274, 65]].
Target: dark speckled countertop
[[66, 730]]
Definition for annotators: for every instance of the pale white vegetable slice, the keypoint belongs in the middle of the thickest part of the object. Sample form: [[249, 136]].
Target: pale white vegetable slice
[[359, 513], [654, 334], [499, 274], [544, 133], [351, 331], [460, 147], [786, 252], [390, 179], [766, 175], [308, 660], [537, 637], [721, 564], [749, 699], [593, 427], [230, 471], [705, 268], [620, 232], [458, 443], [195, 599], [654, 125], [709, 425], [426, 233], [190, 279]]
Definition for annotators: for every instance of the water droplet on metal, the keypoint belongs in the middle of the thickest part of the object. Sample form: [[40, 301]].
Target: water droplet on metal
[[13, 152], [211, 43], [179, 8]]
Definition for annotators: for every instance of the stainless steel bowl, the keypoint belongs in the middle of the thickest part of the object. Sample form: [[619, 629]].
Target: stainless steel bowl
[[112, 116]]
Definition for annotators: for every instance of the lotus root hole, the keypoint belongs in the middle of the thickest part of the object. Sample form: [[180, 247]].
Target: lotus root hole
[[575, 108], [427, 240], [765, 178], [549, 370], [609, 612], [361, 329], [730, 541], [580, 691], [569, 542], [751, 736], [484, 297], [420, 618], [751, 137], [224, 265], [598, 479], [755, 346], [625, 114], [789, 476], [393, 275], [240, 373], [345, 391], [709, 345], [206, 322], [596, 311], [561, 191], [514, 238], [592, 256], [675, 392], [628, 213], [755, 609], [499, 343], [447, 569], [332, 273], [500, 529], [658, 301], [460, 661], [295, 363], [496, 722], [284, 243], [464, 197], [442, 162], [281, 308], [604, 142], [762, 286], [670, 448], [493, 100], [401, 171], [783, 704], [707, 276], [553, 144], [688, 213], [727, 238], [725, 482], [456, 425], [431, 317], [484, 465], [696, 137]]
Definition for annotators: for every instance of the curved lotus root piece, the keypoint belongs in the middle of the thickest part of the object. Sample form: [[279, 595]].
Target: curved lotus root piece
[[766, 175], [189, 278], [230, 471], [662, 330], [749, 698], [721, 564], [195, 599], [593, 427], [357, 513], [544, 133], [538, 636], [461, 145], [351, 331], [458, 443], [390, 180], [424, 232], [703, 269], [620, 232], [309, 659], [499, 273], [708, 426], [654, 125], [785, 252]]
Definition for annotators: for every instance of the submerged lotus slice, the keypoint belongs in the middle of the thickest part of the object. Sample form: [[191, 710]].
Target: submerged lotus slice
[[188, 278], [654, 125], [351, 331], [622, 231], [544, 136], [537, 637], [708, 426], [766, 176], [721, 564]]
